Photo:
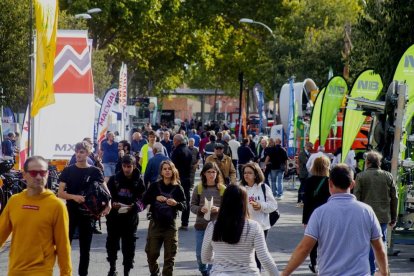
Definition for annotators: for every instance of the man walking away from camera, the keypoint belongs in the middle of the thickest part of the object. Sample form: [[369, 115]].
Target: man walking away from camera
[[345, 229], [376, 188]]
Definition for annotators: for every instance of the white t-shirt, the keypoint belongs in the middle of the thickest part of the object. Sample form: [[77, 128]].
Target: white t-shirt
[[234, 145]]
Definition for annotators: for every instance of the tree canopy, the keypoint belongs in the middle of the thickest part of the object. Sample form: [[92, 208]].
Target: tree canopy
[[14, 53], [202, 44]]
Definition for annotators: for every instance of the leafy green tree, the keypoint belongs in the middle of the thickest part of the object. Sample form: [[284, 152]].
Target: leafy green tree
[[311, 39], [383, 33], [14, 53]]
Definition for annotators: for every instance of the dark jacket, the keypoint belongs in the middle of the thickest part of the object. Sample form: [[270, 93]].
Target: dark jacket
[[182, 159], [176, 191], [376, 188], [311, 200], [245, 154], [209, 149], [126, 190], [227, 149], [259, 157], [152, 171], [303, 159], [277, 157], [168, 146]]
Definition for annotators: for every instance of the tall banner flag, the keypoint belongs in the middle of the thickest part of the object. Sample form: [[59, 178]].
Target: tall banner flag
[[258, 93], [24, 140], [122, 90], [46, 27], [106, 109], [405, 72], [316, 117], [367, 85], [291, 150], [59, 126], [331, 102]]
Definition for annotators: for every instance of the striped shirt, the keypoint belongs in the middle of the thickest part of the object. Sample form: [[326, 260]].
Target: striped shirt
[[238, 259]]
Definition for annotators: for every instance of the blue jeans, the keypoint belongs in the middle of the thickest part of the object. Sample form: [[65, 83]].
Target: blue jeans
[[276, 178], [371, 252], [204, 268], [109, 169]]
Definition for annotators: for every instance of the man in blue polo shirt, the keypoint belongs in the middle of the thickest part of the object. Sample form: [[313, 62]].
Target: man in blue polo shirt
[[345, 229]]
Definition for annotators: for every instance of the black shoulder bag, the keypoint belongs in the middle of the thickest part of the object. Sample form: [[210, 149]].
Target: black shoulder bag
[[273, 216], [96, 198], [163, 213]]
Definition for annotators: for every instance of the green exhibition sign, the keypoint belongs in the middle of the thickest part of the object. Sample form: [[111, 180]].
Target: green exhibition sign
[[332, 100], [405, 73], [315, 117], [367, 85]]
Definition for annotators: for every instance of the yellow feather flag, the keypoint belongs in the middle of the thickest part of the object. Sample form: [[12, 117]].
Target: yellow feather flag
[[46, 12]]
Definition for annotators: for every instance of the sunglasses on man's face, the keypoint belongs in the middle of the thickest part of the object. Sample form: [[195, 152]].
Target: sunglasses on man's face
[[34, 173]]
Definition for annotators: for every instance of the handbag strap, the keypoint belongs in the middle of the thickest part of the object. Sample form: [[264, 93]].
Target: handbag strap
[[315, 193], [264, 191]]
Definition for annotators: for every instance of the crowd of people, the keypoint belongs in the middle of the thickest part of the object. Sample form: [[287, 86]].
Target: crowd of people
[[240, 186]]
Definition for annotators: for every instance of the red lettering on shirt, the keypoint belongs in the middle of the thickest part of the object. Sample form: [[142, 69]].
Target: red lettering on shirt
[[31, 207]]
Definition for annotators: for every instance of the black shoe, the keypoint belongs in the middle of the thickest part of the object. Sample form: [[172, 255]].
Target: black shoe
[[312, 268], [184, 228], [126, 271]]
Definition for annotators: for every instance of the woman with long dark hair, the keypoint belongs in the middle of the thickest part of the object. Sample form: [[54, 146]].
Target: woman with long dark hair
[[211, 188], [260, 204], [234, 238], [316, 193], [166, 198]]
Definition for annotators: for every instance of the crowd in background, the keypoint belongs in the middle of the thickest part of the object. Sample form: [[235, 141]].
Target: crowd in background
[[241, 181]]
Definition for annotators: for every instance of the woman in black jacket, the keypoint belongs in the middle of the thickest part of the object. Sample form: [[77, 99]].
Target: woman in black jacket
[[316, 194], [166, 198]]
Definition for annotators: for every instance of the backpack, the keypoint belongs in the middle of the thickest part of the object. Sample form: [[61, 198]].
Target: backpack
[[96, 198], [162, 212], [273, 216], [200, 188]]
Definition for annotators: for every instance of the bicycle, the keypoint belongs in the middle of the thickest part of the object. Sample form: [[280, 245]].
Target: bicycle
[[12, 182]]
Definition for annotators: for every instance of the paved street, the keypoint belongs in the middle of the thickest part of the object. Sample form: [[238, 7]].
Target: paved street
[[282, 240]]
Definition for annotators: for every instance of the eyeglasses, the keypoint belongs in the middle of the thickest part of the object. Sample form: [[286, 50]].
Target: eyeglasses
[[211, 172], [34, 173]]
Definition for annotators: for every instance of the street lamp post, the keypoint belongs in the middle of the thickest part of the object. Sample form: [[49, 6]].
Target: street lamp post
[[251, 21], [83, 16], [88, 16]]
